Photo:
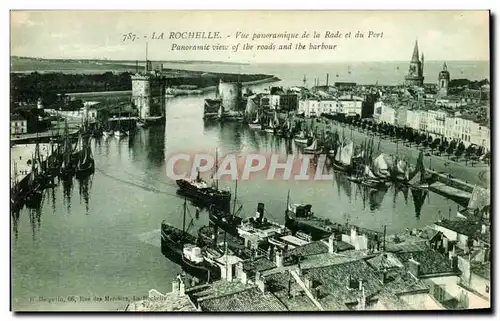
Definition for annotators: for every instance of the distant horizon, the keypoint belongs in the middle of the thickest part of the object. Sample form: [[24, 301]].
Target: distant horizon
[[245, 63]]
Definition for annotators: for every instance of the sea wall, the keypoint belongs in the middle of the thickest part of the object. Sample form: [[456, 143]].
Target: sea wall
[[452, 182]]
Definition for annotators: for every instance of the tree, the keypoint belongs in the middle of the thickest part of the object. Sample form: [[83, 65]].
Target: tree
[[469, 151], [442, 148], [480, 151], [435, 144], [460, 150], [418, 139]]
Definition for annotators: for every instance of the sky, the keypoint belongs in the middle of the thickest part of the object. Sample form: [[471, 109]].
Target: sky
[[441, 35]]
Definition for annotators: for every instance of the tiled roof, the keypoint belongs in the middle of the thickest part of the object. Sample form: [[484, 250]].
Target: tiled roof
[[333, 283], [401, 282], [169, 302], [465, 227], [258, 265], [312, 248], [216, 289], [384, 261], [298, 300], [481, 269], [251, 300], [431, 262]]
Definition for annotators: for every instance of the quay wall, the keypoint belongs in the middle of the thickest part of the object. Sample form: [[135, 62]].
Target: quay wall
[[452, 182]]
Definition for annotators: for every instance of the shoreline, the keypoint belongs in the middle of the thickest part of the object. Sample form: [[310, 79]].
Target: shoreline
[[184, 92]]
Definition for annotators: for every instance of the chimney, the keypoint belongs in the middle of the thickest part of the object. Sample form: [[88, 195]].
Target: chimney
[[327, 76], [175, 286], [453, 252], [332, 244], [484, 229], [414, 267], [260, 211], [362, 300], [261, 284], [384, 276], [446, 245], [279, 258], [308, 282], [360, 284], [257, 276], [182, 288]]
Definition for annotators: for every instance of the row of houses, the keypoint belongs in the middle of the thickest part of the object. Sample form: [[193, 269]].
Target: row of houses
[[346, 104], [438, 123]]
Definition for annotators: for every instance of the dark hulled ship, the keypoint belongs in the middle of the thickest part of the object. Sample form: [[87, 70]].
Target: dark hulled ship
[[182, 248]]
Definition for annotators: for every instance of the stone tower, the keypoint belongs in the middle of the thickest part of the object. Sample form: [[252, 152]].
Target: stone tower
[[141, 94], [415, 76], [443, 80], [141, 89]]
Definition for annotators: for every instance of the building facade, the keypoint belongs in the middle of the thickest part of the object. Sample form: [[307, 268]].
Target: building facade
[[350, 105], [18, 125]]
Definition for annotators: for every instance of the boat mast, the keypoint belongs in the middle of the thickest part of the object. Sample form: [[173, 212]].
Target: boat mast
[[216, 169], [184, 219], [287, 201], [235, 193]]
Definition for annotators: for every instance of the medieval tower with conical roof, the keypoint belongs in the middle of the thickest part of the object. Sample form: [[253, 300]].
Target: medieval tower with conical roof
[[415, 76]]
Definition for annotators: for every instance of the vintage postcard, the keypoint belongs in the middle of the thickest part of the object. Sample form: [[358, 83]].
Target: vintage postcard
[[212, 161]]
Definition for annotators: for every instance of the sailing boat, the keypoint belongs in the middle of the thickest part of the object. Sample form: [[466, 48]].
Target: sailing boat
[[66, 170], [181, 248], [256, 123], [34, 187], [119, 132], [381, 168], [85, 164], [400, 171], [343, 157], [418, 175], [270, 126], [313, 148]]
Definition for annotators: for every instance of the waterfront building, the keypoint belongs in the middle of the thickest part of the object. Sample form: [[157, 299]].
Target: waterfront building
[[18, 124], [443, 81], [415, 76], [316, 107], [350, 105], [384, 112]]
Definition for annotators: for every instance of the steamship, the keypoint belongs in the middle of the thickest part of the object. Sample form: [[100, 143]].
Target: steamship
[[199, 190], [181, 248]]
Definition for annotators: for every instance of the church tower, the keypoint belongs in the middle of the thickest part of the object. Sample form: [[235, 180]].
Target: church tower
[[443, 80], [415, 76]]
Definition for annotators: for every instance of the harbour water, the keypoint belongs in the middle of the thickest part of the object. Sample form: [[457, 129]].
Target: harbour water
[[100, 237]]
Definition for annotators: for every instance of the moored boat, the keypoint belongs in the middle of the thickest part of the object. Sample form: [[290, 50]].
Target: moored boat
[[181, 248]]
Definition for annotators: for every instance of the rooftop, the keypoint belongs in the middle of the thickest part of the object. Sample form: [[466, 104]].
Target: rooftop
[[312, 248], [481, 269], [169, 302], [258, 265], [464, 227], [431, 262], [249, 300], [333, 283], [297, 301]]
